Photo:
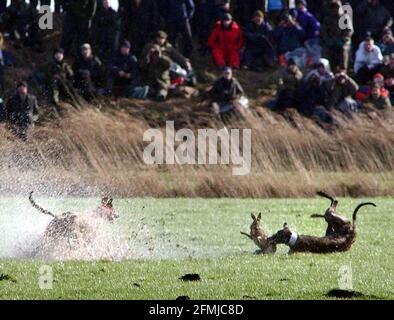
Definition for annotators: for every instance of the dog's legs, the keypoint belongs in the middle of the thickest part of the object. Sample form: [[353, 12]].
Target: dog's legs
[[248, 235]]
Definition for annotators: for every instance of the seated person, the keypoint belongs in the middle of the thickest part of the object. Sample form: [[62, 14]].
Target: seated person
[[226, 94], [340, 93], [58, 76], [365, 91], [289, 82], [6, 59], [88, 71], [386, 45], [180, 64], [289, 37], [226, 41], [377, 101], [388, 73], [22, 111], [368, 61], [125, 74], [156, 74], [322, 70], [259, 51]]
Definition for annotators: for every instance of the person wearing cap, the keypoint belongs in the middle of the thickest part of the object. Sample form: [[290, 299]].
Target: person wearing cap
[[156, 74], [226, 40], [104, 27], [140, 19], [58, 75], [89, 73], [245, 9], [341, 92], [77, 23], [178, 15], [225, 93], [288, 84], [259, 50], [161, 40], [336, 41], [125, 75], [22, 111], [368, 61]]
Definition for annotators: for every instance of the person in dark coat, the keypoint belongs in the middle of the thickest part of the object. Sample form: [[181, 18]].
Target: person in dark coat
[[372, 19], [126, 75], [289, 35], [58, 76], [177, 15], [104, 27], [246, 8], [21, 21], [225, 93], [77, 23], [259, 50], [89, 73], [140, 19], [3, 5], [21, 111]]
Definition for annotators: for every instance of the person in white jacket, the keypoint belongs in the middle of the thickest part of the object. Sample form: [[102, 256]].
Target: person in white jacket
[[369, 60]]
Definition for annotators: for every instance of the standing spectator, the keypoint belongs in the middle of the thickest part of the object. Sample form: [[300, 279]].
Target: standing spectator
[[274, 9], [259, 50], [289, 37], [311, 27], [88, 71], [226, 94], [178, 15], [372, 19], [140, 20], [368, 60], [104, 29], [226, 41], [289, 83], [125, 73], [340, 92], [156, 74], [58, 76], [316, 8], [34, 3], [336, 40], [246, 8], [3, 5], [21, 111], [21, 20], [77, 22]]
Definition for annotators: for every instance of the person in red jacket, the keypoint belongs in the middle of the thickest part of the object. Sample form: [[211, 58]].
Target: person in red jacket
[[226, 40]]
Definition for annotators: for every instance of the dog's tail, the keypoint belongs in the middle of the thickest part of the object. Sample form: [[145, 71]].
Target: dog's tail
[[325, 195], [35, 205], [358, 208]]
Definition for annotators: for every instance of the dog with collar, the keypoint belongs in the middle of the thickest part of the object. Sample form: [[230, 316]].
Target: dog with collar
[[259, 237], [327, 244]]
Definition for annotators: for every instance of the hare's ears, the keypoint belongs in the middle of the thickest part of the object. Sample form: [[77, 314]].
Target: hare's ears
[[254, 217]]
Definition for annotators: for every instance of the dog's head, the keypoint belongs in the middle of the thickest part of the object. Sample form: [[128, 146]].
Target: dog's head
[[107, 209], [282, 236]]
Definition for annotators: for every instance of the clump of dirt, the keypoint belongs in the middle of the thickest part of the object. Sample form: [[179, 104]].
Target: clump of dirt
[[191, 277], [6, 277]]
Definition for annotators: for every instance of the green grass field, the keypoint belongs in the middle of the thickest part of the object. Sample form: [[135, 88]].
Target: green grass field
[[202, 236]]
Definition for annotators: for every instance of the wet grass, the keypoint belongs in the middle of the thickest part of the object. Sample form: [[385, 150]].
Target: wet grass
[[202, 237]]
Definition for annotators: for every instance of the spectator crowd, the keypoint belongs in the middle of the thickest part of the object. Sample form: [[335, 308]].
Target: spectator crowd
[[146, 48]]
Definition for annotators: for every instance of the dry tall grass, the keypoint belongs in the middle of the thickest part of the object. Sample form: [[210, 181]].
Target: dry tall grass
[[91, 151]]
